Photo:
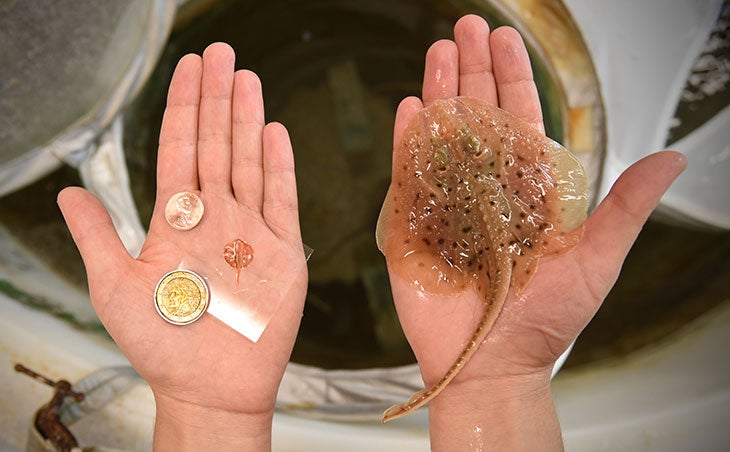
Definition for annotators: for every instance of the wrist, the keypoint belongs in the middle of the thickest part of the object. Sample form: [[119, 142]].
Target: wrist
[[183, 426], [514, 413], [467, 397]]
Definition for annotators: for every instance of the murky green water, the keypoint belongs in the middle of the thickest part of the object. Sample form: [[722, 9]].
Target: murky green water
[[671, 276], [333, 73]]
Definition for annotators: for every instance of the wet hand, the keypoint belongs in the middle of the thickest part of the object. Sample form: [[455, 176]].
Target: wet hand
[[537, 326]]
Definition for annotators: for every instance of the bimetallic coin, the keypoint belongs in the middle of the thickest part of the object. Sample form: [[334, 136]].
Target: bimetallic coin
[[184, 210], [181, 297]]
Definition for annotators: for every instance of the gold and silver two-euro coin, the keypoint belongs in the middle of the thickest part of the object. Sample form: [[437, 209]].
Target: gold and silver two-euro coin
[[181, 297]]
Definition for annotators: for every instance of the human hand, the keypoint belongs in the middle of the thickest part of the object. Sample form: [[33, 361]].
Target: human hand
[[536, 327], [210, 383]]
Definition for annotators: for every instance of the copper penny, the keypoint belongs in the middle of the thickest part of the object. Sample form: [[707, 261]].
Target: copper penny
[[238, 254], [181, 297], [184, 210]]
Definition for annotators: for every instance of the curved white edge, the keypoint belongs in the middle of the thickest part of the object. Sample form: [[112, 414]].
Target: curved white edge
[[26, 168], [74, 144], [701, 191], [674, 396], [664, 398], [27, 273], [642, 66]]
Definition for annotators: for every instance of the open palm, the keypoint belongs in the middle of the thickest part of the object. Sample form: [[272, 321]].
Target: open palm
[[214, 143], [537, 326]]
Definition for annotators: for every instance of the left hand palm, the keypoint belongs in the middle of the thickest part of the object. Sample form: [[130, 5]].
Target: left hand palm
[[213, 143]]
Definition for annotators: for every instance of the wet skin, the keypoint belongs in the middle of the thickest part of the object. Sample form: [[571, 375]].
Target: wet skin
[[477, 197]]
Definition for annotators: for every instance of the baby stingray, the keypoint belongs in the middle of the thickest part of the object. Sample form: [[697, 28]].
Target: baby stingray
[[476, 198]]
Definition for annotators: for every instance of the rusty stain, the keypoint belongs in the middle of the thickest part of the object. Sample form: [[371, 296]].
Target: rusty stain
[[48, 417]]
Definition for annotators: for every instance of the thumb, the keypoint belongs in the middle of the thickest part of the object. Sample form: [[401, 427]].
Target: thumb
[[407, 109], [103, 253], [612, 229]]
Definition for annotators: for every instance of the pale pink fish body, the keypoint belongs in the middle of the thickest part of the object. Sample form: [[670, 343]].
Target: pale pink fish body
[[477, 197]]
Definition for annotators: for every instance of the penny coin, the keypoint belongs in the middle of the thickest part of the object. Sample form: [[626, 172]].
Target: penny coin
[[184, 210], [181, 297]]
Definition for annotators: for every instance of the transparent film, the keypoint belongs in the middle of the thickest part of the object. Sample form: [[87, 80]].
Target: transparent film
[[246, 268]]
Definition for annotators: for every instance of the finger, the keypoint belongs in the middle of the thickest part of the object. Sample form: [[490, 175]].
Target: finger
[[176, 158], [612, 229], [476, 78], [441, 74], [214, 124], [280, 208], [407, 109], [247, 174], [516, 88], [104, 255]]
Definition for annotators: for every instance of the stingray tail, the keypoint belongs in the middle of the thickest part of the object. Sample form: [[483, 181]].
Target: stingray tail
[[491, 312], [423, 396]]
